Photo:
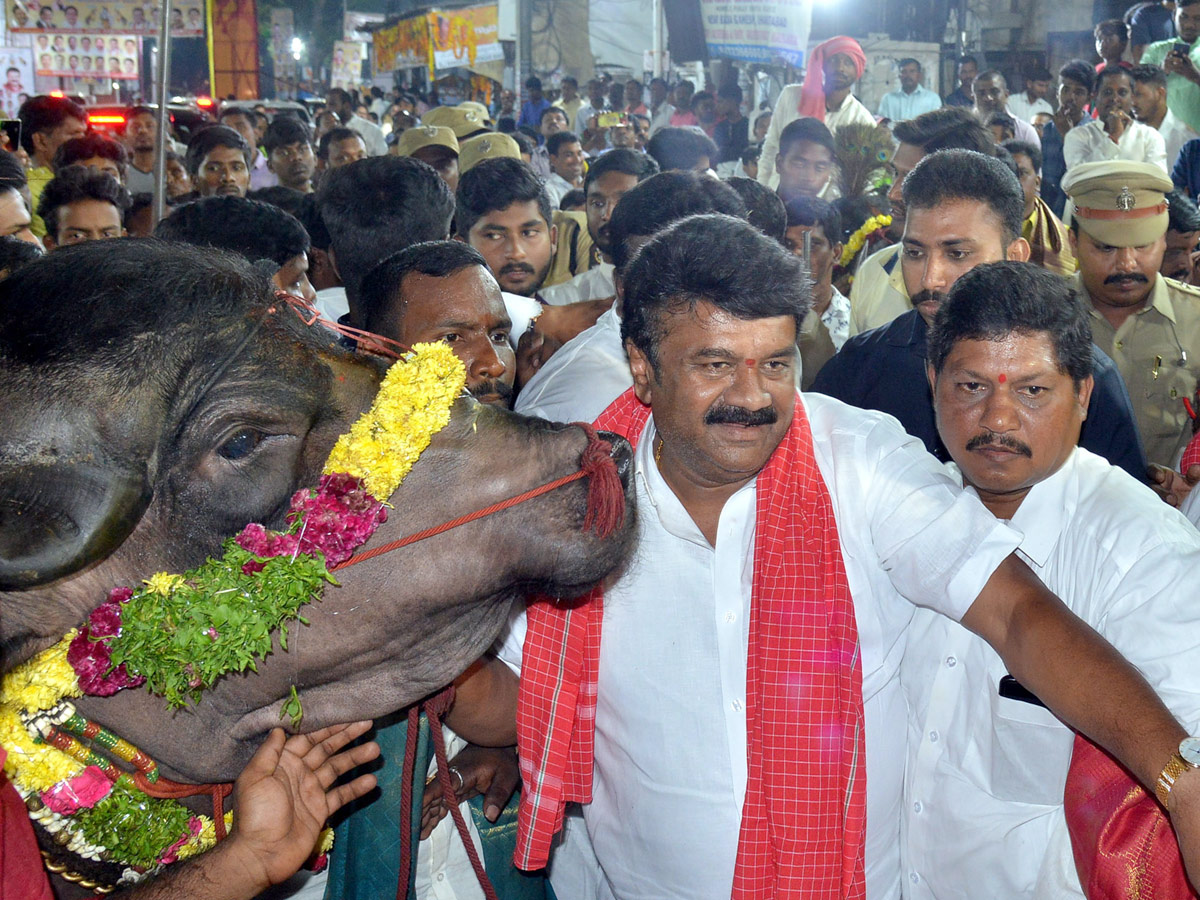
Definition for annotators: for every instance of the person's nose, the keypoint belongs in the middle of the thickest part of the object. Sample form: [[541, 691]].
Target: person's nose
[[1126, 260], [1000, 413], [747, 388], [936, 275]]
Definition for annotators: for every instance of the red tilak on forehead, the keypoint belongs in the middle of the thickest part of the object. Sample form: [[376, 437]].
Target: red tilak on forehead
[[1003, 378], [752, 362]]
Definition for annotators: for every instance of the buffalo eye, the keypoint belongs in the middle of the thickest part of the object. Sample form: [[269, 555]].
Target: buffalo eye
[[240, 444]]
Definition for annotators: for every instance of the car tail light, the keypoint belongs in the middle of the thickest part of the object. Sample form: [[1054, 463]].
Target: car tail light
[[204, 102], [102, 119], [58, 95]]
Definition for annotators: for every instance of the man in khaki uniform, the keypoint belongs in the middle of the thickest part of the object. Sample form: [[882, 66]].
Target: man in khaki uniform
[[1148, 324]]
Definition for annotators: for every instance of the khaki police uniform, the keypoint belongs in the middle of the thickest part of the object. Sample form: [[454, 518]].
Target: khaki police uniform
[[486, 146], [1157, 348], [413, 139]]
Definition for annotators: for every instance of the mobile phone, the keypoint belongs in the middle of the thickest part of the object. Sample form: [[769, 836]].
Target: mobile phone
[[1181, 47], [12, 132], [611, 119]]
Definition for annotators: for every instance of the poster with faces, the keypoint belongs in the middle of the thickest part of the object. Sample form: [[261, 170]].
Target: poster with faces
[[111, 56], [17, 63], [91, 17]]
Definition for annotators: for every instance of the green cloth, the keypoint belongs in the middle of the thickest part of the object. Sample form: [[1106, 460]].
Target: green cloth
[[1183, 97], [365, 861], [38, 177]]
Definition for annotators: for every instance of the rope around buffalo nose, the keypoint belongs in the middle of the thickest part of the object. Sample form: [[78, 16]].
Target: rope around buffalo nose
[[605, 500]]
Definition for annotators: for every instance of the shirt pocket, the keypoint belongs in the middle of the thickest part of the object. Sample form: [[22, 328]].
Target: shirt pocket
[[1030, 752]]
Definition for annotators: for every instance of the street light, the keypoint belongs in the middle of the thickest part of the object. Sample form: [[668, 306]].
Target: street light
[[297, 48]]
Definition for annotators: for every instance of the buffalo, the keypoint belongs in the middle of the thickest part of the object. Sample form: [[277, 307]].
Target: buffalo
[[155, 398]]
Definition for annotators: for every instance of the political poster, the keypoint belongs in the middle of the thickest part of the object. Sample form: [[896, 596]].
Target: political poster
[[404, 45], [762, 31], [17, 63], [283, 29], [97, 17], [465, 37], [115, 56], [348, 58]]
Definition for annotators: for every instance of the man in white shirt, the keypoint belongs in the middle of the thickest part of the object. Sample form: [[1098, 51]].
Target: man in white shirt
[[587, 373], [991, 96], [1010, 366], [912, 98], [1150, 108], [565, 155], [835, 66], [339, 104], [609, 178], [570, 102], [1114, 133], [681, 749], [660, 109], [1032, 101]]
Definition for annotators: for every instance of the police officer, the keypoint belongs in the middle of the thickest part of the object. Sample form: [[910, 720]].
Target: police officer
[[1148, 324]]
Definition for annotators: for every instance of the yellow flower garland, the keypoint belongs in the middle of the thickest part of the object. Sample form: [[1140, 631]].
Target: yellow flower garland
[[412, 405], [856, 240]]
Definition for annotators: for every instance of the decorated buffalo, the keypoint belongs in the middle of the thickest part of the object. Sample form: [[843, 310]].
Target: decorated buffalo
[[155, 399]]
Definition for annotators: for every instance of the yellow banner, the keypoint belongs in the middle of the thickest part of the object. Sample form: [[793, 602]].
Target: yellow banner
[[465, 37], [404, 45]]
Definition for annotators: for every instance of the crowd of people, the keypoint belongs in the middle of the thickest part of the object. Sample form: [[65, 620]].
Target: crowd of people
[[947, 551]]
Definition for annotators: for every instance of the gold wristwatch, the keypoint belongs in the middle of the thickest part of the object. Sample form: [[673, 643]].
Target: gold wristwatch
[[1185, 758]]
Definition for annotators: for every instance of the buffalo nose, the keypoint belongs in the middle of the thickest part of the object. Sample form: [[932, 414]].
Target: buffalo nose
[[621, 453]]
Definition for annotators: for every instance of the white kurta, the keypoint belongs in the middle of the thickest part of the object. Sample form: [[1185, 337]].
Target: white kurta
[[1089, 142], [578, 382], [984, 787], [670, 770], [787, 110]]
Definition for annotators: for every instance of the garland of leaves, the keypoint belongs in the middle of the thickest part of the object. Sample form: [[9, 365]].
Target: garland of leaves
[[178, 634]]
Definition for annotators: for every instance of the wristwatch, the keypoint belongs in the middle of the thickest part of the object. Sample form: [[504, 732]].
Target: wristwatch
[[1185, 758]]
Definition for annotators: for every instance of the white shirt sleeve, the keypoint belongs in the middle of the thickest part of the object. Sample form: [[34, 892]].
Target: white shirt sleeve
[[786, 111]]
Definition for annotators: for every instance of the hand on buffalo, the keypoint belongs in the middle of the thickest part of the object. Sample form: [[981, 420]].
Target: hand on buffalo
[[285, 794], [281, 801], [490, 771], [554, 327]]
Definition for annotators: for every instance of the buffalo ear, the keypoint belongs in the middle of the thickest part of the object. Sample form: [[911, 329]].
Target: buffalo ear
[[57, 519]]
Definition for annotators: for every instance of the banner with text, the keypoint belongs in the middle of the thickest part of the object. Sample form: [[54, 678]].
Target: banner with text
[[465, 37], [91, 17], [762, 31]]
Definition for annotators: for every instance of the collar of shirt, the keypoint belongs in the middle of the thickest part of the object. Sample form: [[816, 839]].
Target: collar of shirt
[[671, 513], [1160, 298], [1045, 513]]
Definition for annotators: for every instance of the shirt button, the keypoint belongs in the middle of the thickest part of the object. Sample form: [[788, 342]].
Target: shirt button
[[730, 617], [1120, 345], [737, 705], [917, 807], [951, 662], [933, 736], [441, 876], [914, 877]]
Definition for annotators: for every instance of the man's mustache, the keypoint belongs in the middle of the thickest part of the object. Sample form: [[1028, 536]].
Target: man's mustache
[[737, 415], [492, 386], [1132, 277], [928, 297], [987, 439], [511, 268]]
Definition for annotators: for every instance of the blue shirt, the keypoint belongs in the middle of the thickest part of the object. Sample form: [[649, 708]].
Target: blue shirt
[[1151, 23], [531, 113], [900, 107], [884, 369], [1186, 173]]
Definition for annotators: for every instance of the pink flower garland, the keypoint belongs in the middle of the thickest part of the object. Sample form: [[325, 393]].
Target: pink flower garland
[[90, 654], [333, 520]]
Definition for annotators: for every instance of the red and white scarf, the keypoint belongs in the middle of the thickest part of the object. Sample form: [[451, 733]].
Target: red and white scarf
[[804, 816]]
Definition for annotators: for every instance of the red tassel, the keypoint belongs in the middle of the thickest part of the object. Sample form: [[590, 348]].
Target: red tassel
[[606, 495]]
